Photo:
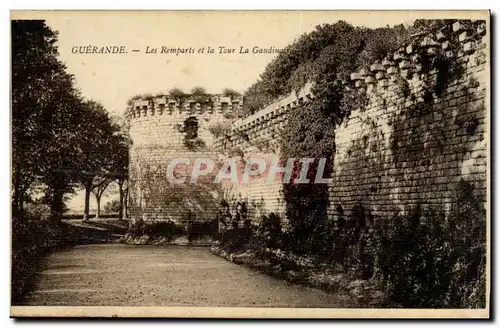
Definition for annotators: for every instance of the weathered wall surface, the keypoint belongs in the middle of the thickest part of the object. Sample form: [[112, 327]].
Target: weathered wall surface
[[257, 136], [159, 134], [422, 130]]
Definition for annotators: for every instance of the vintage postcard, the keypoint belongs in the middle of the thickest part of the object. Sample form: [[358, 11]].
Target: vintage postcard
[[250, 164]]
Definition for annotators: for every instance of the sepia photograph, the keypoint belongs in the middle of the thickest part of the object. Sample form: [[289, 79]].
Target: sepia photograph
[[250, 164]]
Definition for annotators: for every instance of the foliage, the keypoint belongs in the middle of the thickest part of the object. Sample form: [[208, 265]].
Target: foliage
[[200, 229], [198, 91], [132, 99], [59, 140], [31, 240], [326, 57], [199, 94], [227, 92], [176, 93], [220, 129], [239, 239], [432, 260], [330, 48], [229, 115], [256, 98], [45, 116], [425, 258], [428, 257], [270, 230], [267, 234], [194, 144], [112, 206], [171, 230], [151, 190], [37, 210], [158, 229], [98, 135]]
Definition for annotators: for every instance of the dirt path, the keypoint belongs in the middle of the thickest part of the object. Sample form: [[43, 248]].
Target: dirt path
[[114, 274]]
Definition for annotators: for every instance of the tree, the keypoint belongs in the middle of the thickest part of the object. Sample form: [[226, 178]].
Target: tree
[[41, 92], [227, 92], [198, 91], [96, 161], [176, 93], [98, 190], [120, 152], [59, 140], [45, 107]]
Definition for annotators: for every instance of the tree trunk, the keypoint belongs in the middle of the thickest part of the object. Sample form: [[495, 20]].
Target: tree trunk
[[98, 199], [21, 203], [56, 208], [120, 211], [125, 203], [88, 189], [17, 193]]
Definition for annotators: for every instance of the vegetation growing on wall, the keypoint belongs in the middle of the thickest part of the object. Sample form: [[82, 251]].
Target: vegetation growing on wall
[[220, 129], [227, 92], [200, 95], [191, 139], [340, 46], [450, 273], [152, 192], [335, 51]]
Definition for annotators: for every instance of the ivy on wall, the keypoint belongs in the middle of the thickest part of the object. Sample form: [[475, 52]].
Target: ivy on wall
[[310, 129], [327, 56]]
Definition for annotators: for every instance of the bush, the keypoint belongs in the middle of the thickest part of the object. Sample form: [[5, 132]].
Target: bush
[[176, 93], [198, 91], [31, 240], [270, 230], [227, 92], [170, 230], [37, 211], [431, 260], [424, 259], [240, 239], [112, 206], [166, 229], [200, 229], [220, 129], [267, 234]]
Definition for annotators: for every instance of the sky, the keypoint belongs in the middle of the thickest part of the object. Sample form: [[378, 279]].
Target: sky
[[112, 79]]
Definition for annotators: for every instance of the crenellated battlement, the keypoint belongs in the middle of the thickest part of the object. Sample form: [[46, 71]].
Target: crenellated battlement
[[183, 105], [411, 63], [265, 124]]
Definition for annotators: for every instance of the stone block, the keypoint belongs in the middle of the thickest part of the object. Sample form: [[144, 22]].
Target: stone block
[[377, 68], [440, 36], [462, 37], [398, 56], [404, 64], [392, 70], [457, 27], [370, 80], [469, 48]]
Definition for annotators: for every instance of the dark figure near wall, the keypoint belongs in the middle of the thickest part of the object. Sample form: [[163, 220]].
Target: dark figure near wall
[[190, 231], [223, 218]]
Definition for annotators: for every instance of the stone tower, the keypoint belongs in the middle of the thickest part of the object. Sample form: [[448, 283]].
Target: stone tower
[[166, 127]]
